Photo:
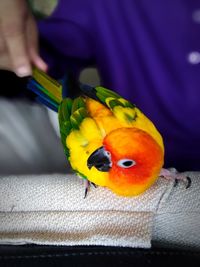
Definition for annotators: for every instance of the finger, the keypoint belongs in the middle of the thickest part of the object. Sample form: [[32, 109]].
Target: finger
[[2, 44], [32, 40], [5, 62], [13, 16], [15, 40], [4, 56], [38, 62]]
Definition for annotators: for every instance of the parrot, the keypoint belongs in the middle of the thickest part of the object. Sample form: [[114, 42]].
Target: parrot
[[107, 140]]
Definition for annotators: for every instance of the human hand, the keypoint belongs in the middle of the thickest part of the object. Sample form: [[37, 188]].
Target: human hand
[[18, 38]]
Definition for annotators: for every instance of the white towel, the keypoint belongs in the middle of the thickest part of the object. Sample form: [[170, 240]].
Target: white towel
[[51, 209]]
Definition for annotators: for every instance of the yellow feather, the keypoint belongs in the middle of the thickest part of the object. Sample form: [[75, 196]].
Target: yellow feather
[[140, 122], [84, 142]]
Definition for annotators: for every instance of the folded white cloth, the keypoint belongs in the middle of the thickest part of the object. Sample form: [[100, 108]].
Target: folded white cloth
[[51, 209]]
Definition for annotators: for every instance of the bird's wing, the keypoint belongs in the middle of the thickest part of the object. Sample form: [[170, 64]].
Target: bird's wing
[[123, 110], [71, 114], [80, 134]]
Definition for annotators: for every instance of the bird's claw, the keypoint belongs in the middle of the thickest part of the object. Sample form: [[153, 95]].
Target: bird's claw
[[87, 187], [189, 182], [173, 174]]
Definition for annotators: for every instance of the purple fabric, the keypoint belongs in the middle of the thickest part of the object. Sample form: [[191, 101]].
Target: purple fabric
[[140, 48]]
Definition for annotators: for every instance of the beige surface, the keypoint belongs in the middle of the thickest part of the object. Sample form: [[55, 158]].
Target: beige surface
[[50, 209]]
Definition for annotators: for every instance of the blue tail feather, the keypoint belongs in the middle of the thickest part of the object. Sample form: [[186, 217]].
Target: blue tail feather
[[42, 95], [47, 103]]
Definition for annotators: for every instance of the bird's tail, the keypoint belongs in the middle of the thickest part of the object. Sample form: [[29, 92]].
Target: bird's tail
[[48, 91]]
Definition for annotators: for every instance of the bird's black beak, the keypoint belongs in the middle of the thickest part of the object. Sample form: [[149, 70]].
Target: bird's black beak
[[100, 159]]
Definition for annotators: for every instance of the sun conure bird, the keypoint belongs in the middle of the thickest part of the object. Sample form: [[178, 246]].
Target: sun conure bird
[[107, 140]]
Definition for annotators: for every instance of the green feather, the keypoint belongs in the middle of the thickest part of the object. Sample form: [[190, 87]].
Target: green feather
[[77, 103], [64, 114], [71, 114], [112, 103], [104, 92], [78, 112], [111, 99]]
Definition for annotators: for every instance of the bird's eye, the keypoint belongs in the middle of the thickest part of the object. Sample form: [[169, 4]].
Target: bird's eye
[[126, 163]]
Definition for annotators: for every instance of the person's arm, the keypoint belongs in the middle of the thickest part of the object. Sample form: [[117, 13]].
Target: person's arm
[[18, 38]]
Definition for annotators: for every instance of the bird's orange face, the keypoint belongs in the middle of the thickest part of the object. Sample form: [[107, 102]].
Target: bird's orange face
[[133, 159]]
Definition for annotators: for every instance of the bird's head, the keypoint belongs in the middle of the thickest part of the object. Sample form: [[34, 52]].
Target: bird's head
[[132, 158]]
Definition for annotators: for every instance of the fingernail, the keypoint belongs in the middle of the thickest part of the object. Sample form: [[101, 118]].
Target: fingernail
[[23, 71]]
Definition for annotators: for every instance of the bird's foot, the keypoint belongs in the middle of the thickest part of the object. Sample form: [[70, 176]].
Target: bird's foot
[[173, 174], [87, 187]]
